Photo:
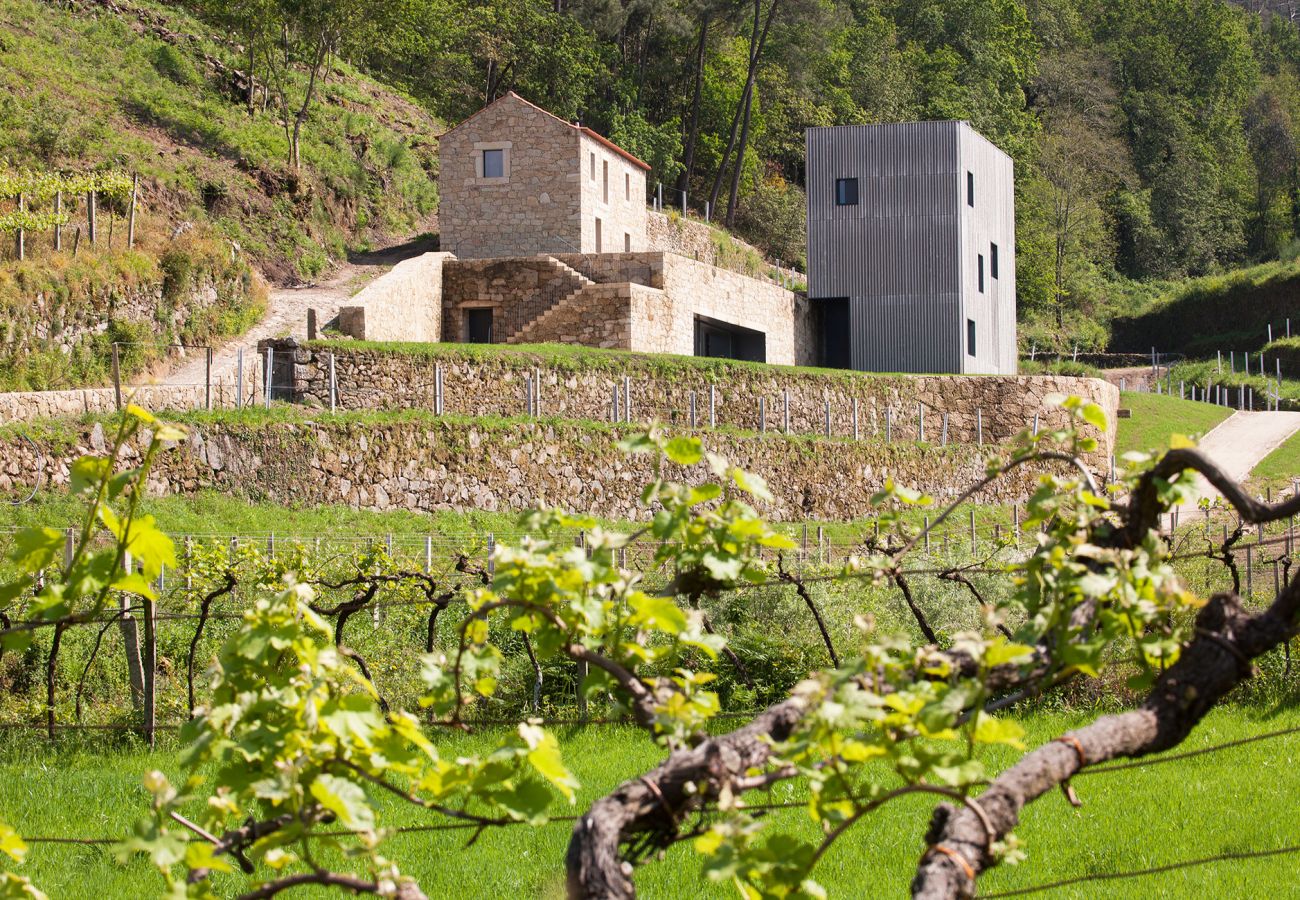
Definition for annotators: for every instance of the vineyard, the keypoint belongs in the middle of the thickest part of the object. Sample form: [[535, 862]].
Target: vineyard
[[312, 698]]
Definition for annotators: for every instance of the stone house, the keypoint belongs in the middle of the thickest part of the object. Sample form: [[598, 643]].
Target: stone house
[[544, 238], [518, 181]]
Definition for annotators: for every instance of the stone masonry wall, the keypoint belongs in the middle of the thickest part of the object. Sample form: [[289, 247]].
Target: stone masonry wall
[[518, 290], [699, 289], [599, 315], [660, 323], [994, 407], [427, 464], [404, 304], [535, 208], [613, 192]]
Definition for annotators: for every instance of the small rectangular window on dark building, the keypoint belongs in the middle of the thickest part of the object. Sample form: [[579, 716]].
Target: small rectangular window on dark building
[[846, 192], [970, 337]]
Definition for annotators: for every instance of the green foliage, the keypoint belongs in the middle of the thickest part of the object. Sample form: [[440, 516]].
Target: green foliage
[[89, 91]]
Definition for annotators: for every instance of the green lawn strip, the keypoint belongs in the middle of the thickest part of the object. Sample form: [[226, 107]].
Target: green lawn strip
[[1155, 417], [1130, 820], [209, 512], [1280, 469]]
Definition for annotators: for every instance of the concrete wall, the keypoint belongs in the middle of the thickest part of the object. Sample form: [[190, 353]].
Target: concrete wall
[[613, 192], [425, 464], [404, 304], [535, 208]]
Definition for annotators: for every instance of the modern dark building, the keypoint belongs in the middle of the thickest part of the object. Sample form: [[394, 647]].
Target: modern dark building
[[911, 248]]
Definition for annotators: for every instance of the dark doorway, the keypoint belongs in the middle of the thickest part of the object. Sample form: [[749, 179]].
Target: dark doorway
[[480, 325], [835, 351], [723, 340]]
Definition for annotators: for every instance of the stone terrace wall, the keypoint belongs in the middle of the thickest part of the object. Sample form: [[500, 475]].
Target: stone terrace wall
[[694, 240], [428, 464], [475, 383], [404, 304], [31, 406], [667, 324]]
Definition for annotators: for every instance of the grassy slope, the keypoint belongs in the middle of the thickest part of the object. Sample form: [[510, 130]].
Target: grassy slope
[[1280, 468], [1129, 820], [1217, 312], [89, 88], [1156, 417]]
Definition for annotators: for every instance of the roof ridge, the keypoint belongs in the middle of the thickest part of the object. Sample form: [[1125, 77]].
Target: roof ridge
[[581, 129]]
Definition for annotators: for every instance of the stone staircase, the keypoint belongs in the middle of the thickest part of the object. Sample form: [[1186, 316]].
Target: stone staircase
[[563, 313], [597, 315], [562, 284]]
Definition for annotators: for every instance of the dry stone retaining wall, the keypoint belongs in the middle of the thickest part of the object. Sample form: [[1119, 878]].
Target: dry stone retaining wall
[[994, 407], [428, 464]]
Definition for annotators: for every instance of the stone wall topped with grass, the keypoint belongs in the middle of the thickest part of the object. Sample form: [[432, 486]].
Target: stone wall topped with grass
[[577, 383], [417, 461]]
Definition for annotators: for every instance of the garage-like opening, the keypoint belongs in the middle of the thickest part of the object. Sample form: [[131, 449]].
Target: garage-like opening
[[835, 349], [723, 340]]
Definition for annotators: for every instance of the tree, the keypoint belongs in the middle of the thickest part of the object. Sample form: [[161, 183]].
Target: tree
[[307, 36], [1270, 132]]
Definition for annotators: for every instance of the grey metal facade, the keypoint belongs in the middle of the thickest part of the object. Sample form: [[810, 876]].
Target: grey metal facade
[[907, 256]]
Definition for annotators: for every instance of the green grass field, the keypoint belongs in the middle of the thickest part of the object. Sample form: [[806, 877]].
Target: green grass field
[[1157, 416], [1222, 802], [1280, 468]]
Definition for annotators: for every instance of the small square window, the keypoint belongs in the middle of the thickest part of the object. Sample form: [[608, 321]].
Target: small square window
[[846, 192], [970, 189], [993, 260], [981, 272], [970, 337], [494, 163]]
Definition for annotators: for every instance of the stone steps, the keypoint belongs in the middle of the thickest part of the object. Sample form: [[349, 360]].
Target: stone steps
[[548, 320], [559, 291]]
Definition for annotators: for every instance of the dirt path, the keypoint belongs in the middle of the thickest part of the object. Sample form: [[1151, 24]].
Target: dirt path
[[1242, 440], [286, 313]]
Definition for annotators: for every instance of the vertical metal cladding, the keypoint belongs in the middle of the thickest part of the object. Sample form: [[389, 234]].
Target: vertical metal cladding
[[905, 255]]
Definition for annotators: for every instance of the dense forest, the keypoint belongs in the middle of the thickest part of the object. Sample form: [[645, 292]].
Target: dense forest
[[1154, 139]]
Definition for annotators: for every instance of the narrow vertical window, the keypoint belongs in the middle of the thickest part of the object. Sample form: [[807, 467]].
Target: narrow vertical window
[[604, 184], [846, 192], [627, 186], [981, 272], [993, 260], [970, 337], [593, 167], [598, 236], [627, 242], [970, 189], [494, 164]]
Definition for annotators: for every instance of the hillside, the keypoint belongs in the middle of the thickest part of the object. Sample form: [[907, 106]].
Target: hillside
[[146, 88], [1217, 313]]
